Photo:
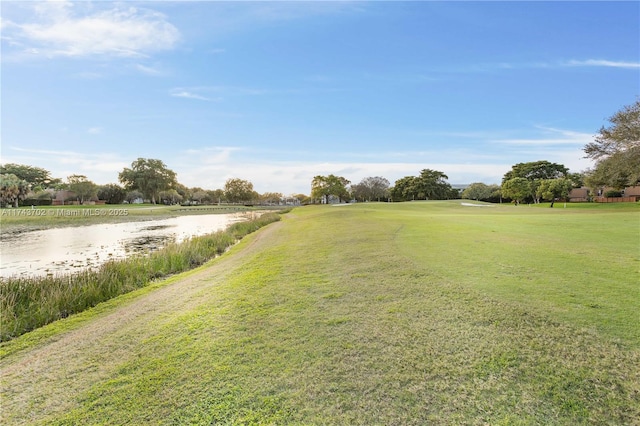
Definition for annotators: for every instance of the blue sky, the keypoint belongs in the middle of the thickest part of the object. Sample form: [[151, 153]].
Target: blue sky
[[278, 92]]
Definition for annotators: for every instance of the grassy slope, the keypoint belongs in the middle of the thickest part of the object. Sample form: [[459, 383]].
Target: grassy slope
[[367, 314]]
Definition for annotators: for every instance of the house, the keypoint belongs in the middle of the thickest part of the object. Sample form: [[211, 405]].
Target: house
[[632, 191], [70, 198], [63, 197], [629, 194], [579, 195]]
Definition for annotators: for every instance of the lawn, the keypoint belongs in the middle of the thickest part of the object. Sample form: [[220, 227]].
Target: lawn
[[406, 313]]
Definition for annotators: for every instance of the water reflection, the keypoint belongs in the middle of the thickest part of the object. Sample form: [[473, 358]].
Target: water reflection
[[58, 250]]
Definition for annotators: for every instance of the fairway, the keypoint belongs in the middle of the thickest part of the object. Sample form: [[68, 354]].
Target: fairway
[[400, 313]]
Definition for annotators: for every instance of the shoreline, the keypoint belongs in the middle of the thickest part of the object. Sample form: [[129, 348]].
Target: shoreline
[[15, 222], [57, 296]]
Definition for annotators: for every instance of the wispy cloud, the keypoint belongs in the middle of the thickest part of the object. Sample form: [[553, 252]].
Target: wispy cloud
[[180, 93], [603, 63], [58, 28], [551, 65], [216, 93], [94, 130], [212, 155], [551, 136], [89, 75], [147, 70]]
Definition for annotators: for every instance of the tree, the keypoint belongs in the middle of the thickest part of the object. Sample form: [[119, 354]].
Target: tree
[[239, 191], [271, 197], [12, 189], [577, 179], [44, 197], [148, 176], [111, 193], [402, 190], [170, 197], [608, 173], [433, 185], [535, 172], [429, 185], [34, 176], [132, 196], [298, 198], [517, 189], [323, 187], [371, 188], [82, 187], [199, 195], [216, 195], [552, 189], [185, 193], [616, 150], [482, 192]]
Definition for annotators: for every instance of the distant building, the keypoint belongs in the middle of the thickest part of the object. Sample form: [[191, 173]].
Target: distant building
[[629, 194], [579, 195], [63, 197]]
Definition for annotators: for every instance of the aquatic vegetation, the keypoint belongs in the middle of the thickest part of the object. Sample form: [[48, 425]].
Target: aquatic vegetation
[[27, 303]]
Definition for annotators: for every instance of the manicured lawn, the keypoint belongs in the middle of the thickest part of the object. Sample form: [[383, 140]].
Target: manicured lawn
[[411, 313]]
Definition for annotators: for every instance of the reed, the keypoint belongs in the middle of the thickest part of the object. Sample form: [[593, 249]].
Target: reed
[[27, 303]]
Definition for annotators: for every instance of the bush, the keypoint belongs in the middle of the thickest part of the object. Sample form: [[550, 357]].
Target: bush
[[35, 202], [613, 194]]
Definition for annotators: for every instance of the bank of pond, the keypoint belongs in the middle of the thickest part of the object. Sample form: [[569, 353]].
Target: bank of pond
[[29, 302], [87, 246]]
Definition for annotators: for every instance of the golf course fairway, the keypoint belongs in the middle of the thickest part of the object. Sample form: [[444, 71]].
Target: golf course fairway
[[438, 312]]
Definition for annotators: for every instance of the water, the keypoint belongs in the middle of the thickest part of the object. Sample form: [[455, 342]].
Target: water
[[72, 249]]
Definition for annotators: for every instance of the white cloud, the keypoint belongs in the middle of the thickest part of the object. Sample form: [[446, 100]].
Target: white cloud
[[551, 136], [603, 63], [58, 29], [94, 130], [295, 177], [179, 93], [211, 167], [212, 155], [498, 66], [89, 75], [101, 168], [147, 70], [486, 160]]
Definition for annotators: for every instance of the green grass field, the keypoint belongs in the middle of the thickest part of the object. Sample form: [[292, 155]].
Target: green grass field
[[406, 313]]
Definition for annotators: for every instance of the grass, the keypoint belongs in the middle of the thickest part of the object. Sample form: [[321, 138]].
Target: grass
[[27, 303], [412, 313]]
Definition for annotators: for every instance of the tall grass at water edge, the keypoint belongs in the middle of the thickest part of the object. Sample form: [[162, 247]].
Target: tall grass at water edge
[[27, 303]]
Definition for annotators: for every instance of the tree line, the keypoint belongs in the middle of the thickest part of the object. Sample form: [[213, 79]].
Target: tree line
[[147, 180], [616, 150]]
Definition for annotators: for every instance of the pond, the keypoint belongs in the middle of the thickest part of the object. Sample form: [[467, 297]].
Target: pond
[[72, 249]]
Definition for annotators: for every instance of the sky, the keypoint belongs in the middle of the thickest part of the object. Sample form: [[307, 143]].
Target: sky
[[278, 92]]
